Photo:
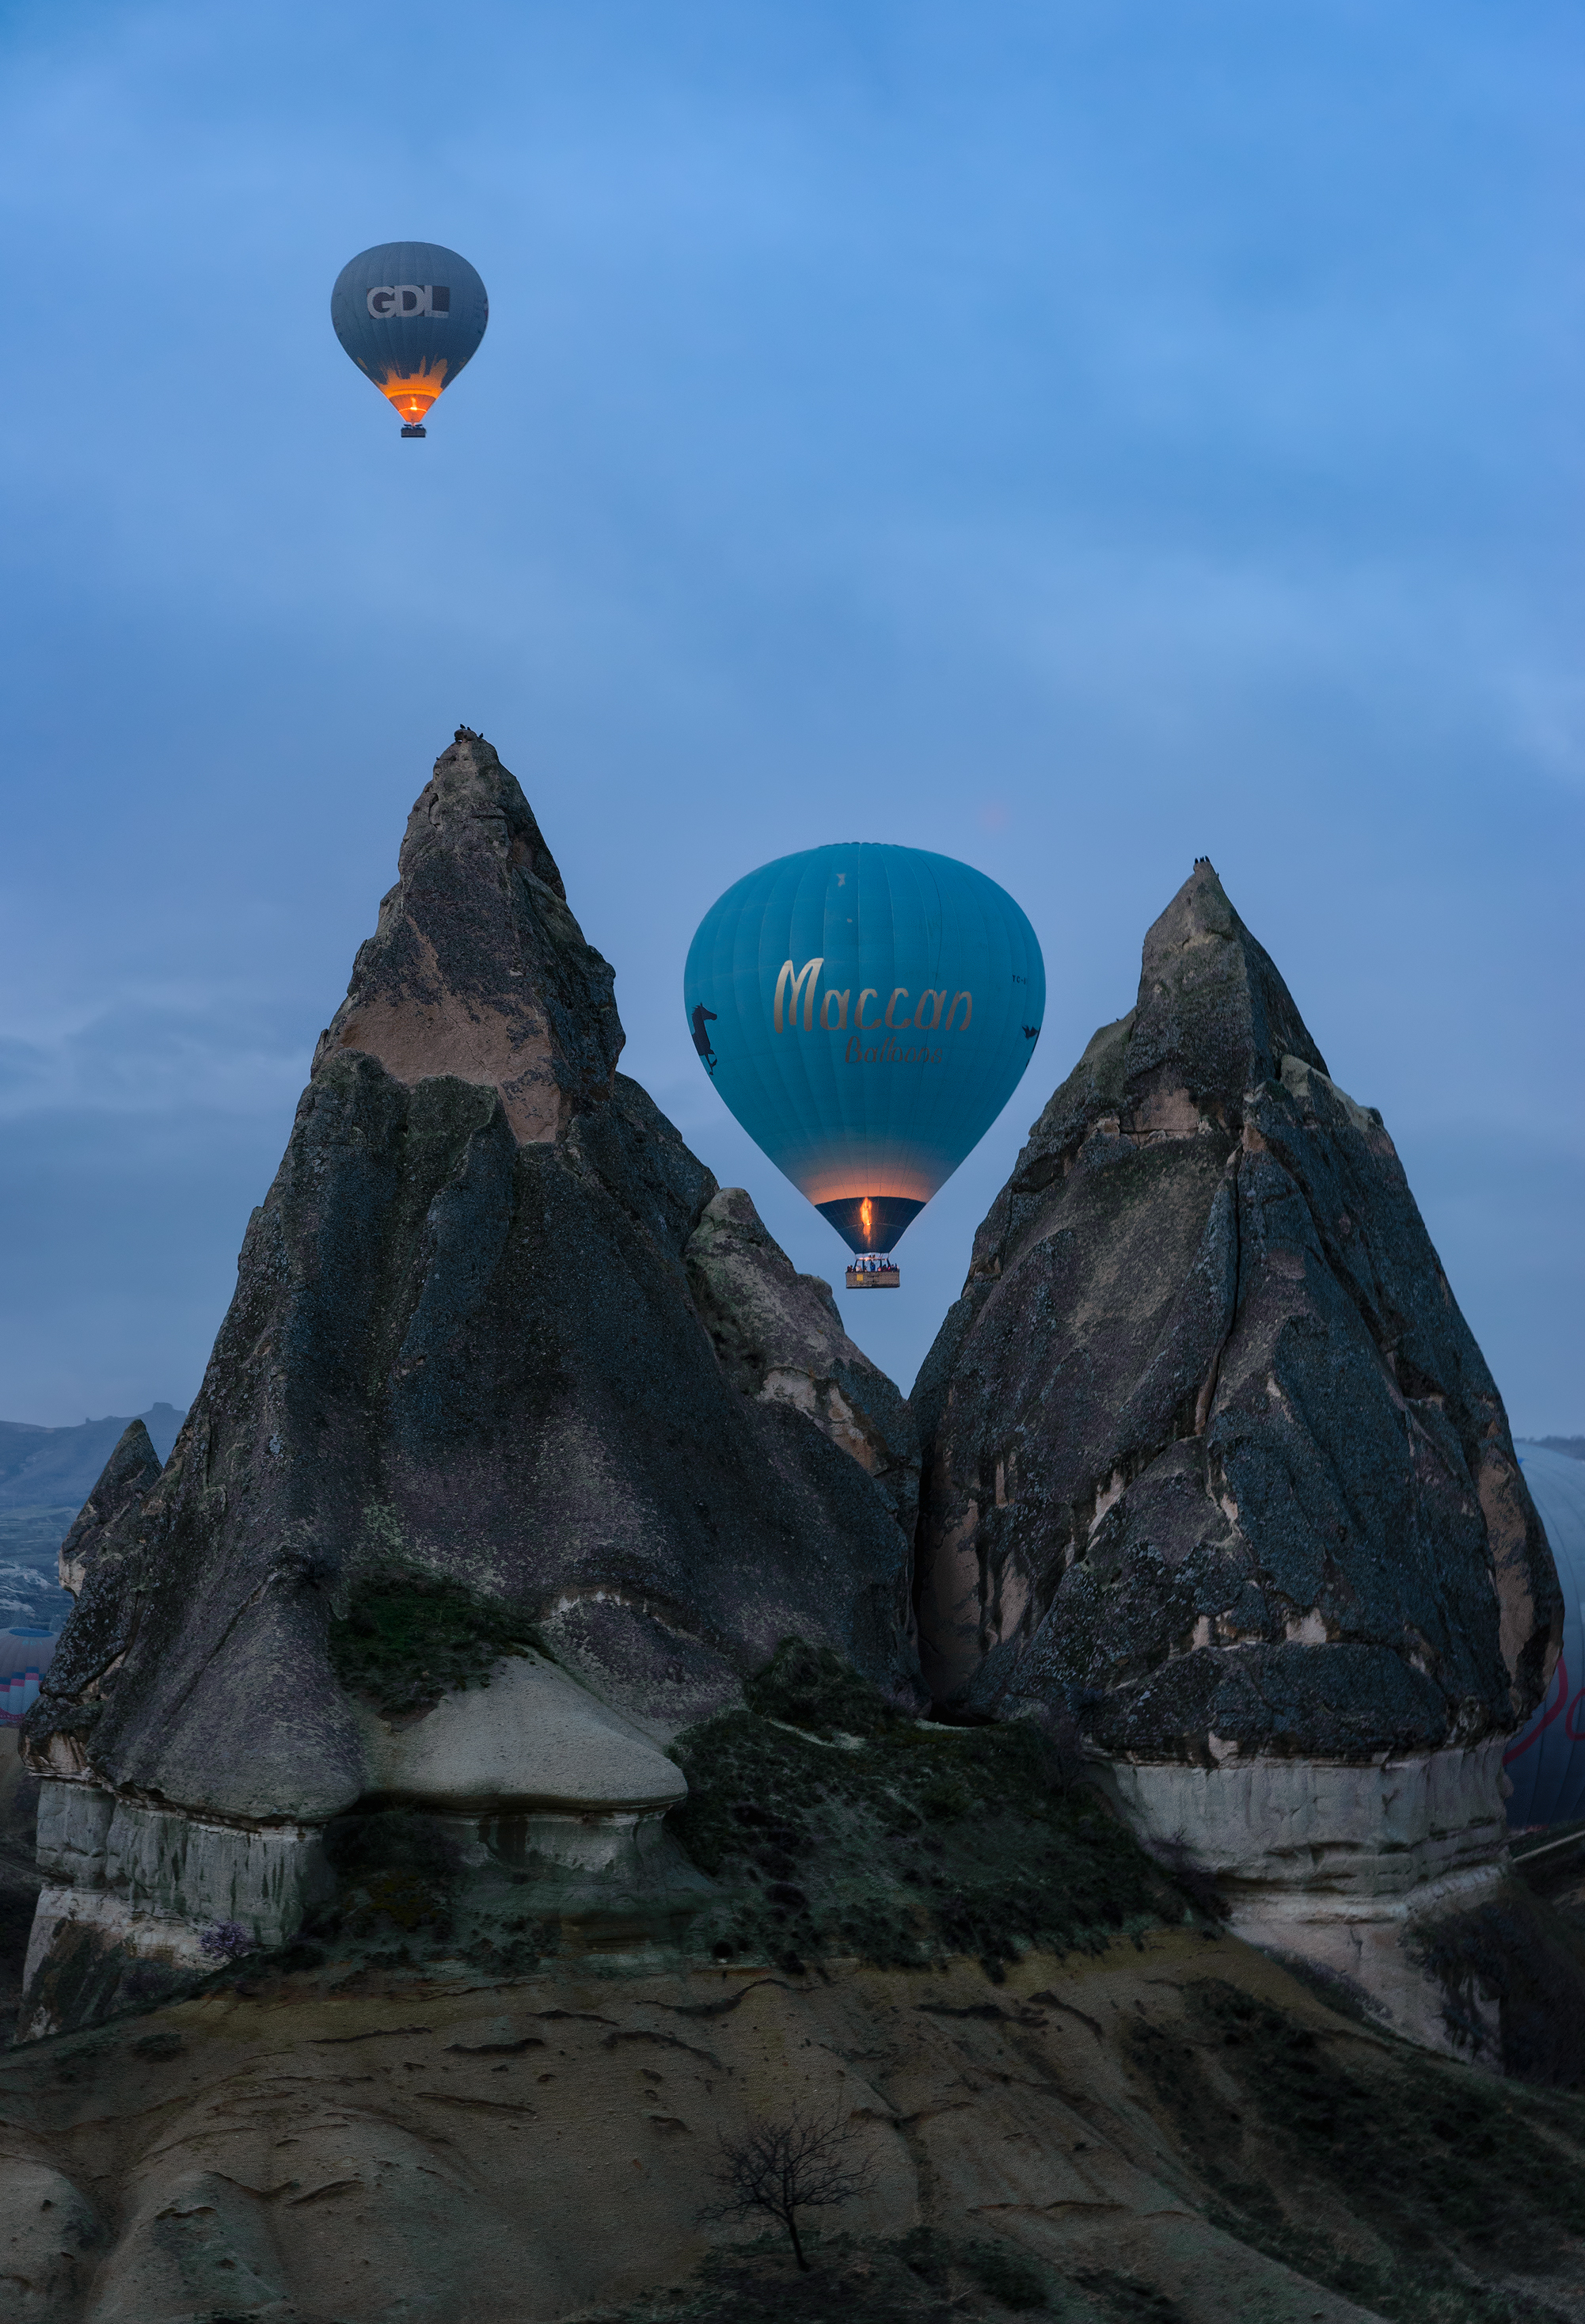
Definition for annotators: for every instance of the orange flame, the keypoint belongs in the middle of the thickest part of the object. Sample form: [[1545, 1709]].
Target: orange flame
[[864, 1216], [413, 394]]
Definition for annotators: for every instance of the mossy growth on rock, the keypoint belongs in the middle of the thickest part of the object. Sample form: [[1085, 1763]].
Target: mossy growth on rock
[[812, 1688], [408, 1637], [871, 1834], [1478, 2181]]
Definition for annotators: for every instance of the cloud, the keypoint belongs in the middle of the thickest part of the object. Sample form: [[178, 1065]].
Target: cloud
[[153, 1051]]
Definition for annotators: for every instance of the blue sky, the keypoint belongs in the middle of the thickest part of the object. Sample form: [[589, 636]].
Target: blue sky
[[1075, 438]]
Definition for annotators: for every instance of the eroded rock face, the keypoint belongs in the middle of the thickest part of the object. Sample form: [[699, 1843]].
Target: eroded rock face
[[463, 1343], [779, 1339], [131, 1471], [1210, 1453], [477, 968]]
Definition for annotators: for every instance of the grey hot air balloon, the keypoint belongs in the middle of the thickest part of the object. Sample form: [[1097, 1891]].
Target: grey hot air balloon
[[410, 314]]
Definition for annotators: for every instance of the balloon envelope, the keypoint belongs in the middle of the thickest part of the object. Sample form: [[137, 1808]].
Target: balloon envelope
[[410, 314], [24, 1655], [866, 1013], [28, 1647], [1546, 1762]]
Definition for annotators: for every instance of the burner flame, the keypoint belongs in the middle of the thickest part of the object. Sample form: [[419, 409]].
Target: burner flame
[[864, 1216], [413, 392]]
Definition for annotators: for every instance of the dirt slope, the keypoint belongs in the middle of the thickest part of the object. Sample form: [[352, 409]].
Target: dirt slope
[[1146, 2134]]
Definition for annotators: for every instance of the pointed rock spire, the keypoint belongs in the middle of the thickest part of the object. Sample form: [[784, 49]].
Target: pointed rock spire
[[97, 1631], [1213, 1019], [477, 968], [1214, 1466], [1209, 1452], [464, 1356]]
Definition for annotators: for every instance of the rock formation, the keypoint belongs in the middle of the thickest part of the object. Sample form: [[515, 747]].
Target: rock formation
[[464, 1356], [130, 1474], [19, 1873], [1213, 1460], [778, 1338]]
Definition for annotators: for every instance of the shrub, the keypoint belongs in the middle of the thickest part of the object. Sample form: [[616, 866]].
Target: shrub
[[812, 1688], [1516, 1952], [408, 1638], [925, 1841], [395, 1867], [225, 1940]]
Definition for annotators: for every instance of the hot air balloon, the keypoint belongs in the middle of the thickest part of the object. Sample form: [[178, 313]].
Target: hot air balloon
[[410, 314], [24, 1655], [866, 1013], [1545, 1761]]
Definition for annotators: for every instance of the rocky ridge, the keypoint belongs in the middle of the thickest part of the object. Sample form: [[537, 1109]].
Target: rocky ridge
[[779, 1339]]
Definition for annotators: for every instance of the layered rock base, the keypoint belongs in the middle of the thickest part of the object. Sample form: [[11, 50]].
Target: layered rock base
[[530, 1771], [130, 1887], [1153, 2131], [1332, 1866]]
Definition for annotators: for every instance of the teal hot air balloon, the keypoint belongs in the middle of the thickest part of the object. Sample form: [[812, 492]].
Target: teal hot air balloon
[[866, 1013], [410, 314]]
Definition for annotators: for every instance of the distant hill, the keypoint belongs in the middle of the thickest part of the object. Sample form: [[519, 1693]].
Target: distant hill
[[1574, 1446], [53, 1467]]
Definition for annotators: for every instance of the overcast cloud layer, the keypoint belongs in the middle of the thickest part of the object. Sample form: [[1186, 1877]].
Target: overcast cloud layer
[[1076, 438]]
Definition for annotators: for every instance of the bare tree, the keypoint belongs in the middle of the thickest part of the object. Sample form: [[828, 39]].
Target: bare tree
[[779, 2169]]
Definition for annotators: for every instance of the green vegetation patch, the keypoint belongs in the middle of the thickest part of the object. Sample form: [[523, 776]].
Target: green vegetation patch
[[408, 1638], [910, 1844], [812, 1688], [1455, 2179]]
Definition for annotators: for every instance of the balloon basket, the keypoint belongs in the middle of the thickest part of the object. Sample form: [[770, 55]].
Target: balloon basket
[[875, 1278], [415, 432]]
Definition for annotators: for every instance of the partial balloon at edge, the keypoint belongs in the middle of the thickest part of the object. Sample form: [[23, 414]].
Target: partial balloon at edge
[[865, 1011], [1545, 1761]]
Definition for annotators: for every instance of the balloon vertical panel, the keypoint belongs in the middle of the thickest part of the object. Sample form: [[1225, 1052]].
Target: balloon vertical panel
[[1546, 1762]]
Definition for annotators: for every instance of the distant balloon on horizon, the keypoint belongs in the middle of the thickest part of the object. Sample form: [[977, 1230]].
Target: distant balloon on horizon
[[411, 315], [1546, 1762], [865, 1011]]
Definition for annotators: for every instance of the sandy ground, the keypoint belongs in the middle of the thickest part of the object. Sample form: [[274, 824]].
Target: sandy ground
[[424, 2147]]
